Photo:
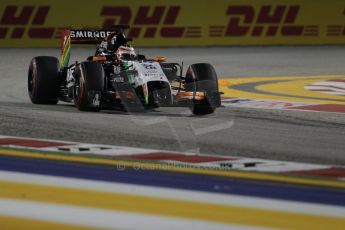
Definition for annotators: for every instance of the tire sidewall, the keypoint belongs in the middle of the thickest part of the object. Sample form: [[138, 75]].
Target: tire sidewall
[[43, 80]]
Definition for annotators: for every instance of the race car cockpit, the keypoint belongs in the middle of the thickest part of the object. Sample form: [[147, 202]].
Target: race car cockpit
[[116, 44]]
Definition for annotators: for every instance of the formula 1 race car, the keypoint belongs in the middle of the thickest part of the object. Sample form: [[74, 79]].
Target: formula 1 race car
[[116, 77]]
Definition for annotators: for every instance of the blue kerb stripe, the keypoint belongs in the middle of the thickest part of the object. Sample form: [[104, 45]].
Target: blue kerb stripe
[[168, 179]]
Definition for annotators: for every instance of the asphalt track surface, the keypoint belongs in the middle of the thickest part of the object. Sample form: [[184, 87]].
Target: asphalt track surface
[[272, 134]]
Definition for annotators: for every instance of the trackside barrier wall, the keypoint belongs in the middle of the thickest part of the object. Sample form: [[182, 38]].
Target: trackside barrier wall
[[38, 23]]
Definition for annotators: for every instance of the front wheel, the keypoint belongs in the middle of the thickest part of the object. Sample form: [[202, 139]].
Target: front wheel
[[203, 78]]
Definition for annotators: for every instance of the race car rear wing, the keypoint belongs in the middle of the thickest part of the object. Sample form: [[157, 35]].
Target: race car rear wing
[[69, 37]]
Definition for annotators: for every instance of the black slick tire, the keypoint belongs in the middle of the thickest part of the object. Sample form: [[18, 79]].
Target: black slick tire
[[202, 77], [43, 80], [89, 79]]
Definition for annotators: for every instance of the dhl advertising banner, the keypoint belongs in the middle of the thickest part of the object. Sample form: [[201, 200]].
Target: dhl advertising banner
[[38, 23]]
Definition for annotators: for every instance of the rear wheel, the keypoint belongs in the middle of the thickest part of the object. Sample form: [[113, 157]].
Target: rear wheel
[[88, 87], [43, 80], [203, 78]]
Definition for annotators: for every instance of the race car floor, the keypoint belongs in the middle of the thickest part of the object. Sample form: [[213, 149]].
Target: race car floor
[[54, 184]]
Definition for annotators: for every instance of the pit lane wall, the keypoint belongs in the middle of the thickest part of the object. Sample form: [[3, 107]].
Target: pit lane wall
[[38, 23]]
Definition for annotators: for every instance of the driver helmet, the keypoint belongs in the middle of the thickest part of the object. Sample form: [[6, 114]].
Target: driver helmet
[[125, 51]]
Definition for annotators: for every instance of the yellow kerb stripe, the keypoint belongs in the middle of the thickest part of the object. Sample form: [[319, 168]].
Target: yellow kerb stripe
[[293, 87], [168, 207], [12, 223]]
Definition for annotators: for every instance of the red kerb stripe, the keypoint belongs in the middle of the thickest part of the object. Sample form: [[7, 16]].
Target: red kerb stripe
[[29, 143], [323, 107], [333, 172], [176, 157], [337, 80]]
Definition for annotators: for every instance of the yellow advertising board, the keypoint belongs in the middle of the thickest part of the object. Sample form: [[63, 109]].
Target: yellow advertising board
[[38, 23]]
